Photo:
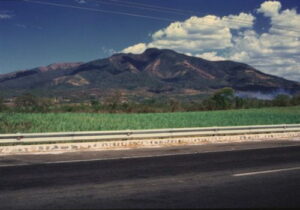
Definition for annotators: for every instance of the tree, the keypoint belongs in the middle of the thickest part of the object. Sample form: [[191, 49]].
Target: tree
[[26, 102], [209, 104], [96, 106], [239, 103], [295, 100], [2, 105], [174, 105], [114, 100], [281, 100], [224, 98]]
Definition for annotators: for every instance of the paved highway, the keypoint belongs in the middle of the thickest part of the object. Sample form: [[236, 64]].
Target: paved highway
[[231, 175]]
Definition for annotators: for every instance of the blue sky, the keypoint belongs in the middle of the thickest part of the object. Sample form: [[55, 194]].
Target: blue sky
[[264, 34]]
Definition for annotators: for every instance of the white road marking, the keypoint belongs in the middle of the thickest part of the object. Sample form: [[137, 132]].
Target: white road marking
[[267, 171]]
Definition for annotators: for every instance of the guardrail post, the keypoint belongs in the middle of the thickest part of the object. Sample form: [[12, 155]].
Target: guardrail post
[[284, 127], [216, 131], [19, 137], [171, 131], [129, 132]]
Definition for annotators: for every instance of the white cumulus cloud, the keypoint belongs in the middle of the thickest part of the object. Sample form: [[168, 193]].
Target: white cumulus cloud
[[270, 8], [233, 37], [136, 49], [211, 56], [197, 33]]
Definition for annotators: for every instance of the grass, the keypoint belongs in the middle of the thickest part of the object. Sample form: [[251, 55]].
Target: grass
[[59, 122]]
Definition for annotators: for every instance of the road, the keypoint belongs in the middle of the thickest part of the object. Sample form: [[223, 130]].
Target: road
[[257, 174]]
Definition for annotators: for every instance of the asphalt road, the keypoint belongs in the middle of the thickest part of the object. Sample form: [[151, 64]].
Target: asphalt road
[[231, 175]]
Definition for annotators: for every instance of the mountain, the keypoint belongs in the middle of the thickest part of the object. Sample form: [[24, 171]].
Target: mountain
[[153, 73]]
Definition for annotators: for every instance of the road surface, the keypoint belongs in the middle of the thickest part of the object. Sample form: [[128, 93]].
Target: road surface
[[259, 174]]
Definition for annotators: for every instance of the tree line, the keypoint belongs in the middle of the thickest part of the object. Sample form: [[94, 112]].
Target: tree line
[[223, 99]]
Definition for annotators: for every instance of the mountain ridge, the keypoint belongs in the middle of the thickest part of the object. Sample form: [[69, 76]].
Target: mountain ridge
[[155, 72]]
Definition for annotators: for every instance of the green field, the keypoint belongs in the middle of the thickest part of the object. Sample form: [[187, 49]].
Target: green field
[[56, 122]]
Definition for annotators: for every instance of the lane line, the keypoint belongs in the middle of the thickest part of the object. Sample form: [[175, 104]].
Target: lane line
[[267, 171]]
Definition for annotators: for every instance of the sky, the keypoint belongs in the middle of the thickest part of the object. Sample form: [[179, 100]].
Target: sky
[[264, 34]]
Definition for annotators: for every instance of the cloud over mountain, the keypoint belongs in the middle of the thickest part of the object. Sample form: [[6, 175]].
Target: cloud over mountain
[[234, 37]]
